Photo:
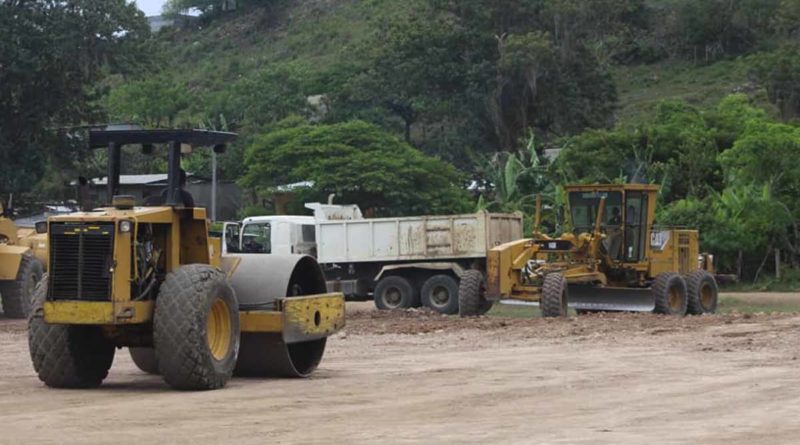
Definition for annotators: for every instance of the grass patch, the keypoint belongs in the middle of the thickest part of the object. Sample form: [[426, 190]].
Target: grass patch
[[743, 305]]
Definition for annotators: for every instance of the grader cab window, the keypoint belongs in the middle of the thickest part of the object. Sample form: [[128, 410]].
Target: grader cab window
[[256, 238], [635, 225], [584, 207]]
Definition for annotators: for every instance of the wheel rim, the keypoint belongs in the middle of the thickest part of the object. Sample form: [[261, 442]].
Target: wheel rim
[[706, 296], [674, 299], [440, 296], [219, 329], [392, 297]]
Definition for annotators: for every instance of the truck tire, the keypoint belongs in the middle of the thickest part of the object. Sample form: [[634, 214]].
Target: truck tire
[[66, 356], [440, 293], [17, 295], [703, 293], [145, 359], [669, 294], [472, 294], [394, 292], [196, 328], [554, 296]]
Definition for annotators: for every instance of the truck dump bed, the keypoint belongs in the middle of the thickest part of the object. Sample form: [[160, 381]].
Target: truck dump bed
[[414, 238]]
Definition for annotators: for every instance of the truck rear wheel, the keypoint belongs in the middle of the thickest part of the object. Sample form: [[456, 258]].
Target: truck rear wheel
[[17, 295], [196, 328], [67, 356], [440, 293], [145, 359], [703, 293], [669, 293], [554, 296], [472, 294], [394, 292]]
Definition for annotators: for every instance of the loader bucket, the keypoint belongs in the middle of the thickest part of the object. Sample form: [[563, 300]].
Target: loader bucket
[[610, 298], [258, 281]]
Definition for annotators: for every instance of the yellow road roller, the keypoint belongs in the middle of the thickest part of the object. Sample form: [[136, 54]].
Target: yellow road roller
[[147, 276]]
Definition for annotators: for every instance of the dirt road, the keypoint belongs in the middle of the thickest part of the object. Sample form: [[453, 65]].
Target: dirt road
[[417, 377]]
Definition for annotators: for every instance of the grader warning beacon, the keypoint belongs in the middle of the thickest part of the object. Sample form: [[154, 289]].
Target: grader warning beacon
[[614, 259], [151, 279], [22, 258]]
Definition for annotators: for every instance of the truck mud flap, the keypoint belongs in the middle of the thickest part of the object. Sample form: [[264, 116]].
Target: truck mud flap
[[610, 299]]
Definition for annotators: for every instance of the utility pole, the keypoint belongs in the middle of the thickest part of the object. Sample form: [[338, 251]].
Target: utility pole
[[213, 185]]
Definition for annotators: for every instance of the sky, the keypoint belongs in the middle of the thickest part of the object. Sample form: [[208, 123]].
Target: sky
[[151, 7]]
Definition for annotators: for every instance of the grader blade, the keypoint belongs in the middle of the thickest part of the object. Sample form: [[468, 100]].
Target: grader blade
[[263, 283], [617, 299]]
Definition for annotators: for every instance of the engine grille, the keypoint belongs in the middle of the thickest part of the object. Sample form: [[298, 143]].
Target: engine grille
[[81, 256]]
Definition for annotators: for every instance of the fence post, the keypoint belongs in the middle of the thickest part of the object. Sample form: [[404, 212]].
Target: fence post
[[777, 264]]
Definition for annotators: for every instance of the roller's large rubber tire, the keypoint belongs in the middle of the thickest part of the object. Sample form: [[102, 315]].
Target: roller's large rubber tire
[[196, 328], [440, 293], [554, 296], [669, 293], [17, 295], [66, 356], [702, 292], [145, 359], [472, 294], [394, 292]]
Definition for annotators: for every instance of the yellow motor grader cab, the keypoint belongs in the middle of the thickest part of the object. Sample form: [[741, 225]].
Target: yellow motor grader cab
[[22, 258], [148, 277], [614, 259]]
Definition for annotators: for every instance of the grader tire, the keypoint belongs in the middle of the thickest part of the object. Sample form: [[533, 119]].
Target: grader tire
[[471, 295], [554, 296], [145, 359], [196, 328], [66, 356], [17, 295], [669, 294], [703, 293]]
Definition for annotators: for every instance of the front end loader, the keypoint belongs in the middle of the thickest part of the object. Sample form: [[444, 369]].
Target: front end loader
[[149, 278], [614, 259]]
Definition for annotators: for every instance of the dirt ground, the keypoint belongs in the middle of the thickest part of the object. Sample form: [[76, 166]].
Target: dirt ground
[[416, 377]]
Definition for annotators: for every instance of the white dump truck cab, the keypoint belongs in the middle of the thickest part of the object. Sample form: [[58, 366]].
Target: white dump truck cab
[[275, 234]]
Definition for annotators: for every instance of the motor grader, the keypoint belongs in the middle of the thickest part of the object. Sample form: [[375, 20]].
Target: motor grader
[[22, 257], [613, 259], [149, 278]]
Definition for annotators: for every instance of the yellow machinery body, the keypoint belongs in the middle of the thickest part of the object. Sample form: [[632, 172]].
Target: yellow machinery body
[[615, 250], [180, 235]]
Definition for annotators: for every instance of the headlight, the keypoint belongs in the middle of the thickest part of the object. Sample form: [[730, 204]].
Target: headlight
[[125, 226]]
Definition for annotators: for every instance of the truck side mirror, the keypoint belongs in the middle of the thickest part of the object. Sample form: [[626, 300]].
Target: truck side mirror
[[41, 227]]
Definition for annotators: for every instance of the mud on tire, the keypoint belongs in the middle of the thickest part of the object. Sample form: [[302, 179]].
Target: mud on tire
[[702, 293], [17, 295], [669, 294], [554, 296], [194, 300], [395, 292], [440, 293], [471, 294], [66, 356]]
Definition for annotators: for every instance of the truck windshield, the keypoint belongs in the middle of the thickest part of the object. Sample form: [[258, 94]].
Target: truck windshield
[[584, 206], [256, 238]]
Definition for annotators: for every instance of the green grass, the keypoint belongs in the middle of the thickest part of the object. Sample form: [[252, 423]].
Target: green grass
[[727, 304]]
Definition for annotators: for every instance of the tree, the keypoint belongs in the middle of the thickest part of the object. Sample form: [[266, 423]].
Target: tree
[[358, 162], [52, 56], [779, 72], [154, 102]]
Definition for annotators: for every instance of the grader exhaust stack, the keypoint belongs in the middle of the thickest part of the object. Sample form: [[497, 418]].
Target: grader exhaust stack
[[151, 279], [613, 259]]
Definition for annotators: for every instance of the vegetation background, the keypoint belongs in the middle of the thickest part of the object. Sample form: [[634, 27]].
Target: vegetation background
[[433, 106]]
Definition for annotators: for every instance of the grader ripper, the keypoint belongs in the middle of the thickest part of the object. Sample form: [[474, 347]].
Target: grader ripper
[[613, 260], [150, 279]]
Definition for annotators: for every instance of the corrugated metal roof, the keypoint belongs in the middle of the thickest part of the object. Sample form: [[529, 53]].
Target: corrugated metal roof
[[134, 179]]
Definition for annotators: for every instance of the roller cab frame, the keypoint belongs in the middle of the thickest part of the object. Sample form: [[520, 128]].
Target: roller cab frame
[[126, 275], [613, 259]]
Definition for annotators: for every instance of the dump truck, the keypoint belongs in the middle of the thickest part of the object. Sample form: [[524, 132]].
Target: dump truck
[[149, 278], [400, 262], [23, 256], [613, 259]]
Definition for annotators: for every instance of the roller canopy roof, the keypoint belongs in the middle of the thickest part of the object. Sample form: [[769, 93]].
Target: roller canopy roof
[[198, 138]]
